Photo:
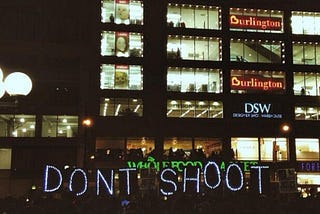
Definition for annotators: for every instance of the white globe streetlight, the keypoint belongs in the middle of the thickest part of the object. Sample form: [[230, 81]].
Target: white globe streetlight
[[15, 84], [18, 83]]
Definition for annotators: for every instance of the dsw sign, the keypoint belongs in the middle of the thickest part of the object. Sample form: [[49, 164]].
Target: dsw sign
[[257, 108]]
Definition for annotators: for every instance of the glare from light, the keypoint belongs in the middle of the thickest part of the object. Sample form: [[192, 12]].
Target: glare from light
[[22, 120], [1, 75], [18, 83], [2, 89], [64, 120]]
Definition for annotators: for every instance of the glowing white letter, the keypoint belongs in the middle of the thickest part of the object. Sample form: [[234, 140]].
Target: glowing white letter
[[218, 175], [168, 181], [45, 188], [185, 179], [109, 187], [259, 178], [85, 181], [227, 177], [128, 178]]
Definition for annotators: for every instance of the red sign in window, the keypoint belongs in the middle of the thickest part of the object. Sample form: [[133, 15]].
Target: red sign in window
[[255, 22]]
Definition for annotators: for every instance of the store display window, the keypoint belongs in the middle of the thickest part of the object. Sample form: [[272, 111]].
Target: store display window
[[306, 53], [139, 148], [307, 113], [121, 44], [194, 48], [251, 81], [307, 149], [263, 149], [256, 20], [257, 51], [194, 109], [110, 149], [122, 12], [121, 107], [177, 148], [305, 23], [194, 80], [306, 83], [128, 77], [194, 16], [273, 149], [17, 125], [59, 126]]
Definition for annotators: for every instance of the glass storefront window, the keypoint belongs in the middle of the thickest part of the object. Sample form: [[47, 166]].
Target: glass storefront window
[[305, 23], [307, 149], [273, 149], [194, 109], [194, 80], [306, 53], [17, 125], [194, 16], [127, 77], [110, 149], [256, 20], [245, 148], [121, 44], [307, 113], [138, 148], [250, 81], [194, 48], [121, 107], [306, 83], [5, 158], [257, 51], [122, 11], [210, 147], [59, 126], [308, 178], [177, 148]]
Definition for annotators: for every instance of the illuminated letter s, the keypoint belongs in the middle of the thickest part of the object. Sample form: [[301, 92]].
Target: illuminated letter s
[[168, 181]]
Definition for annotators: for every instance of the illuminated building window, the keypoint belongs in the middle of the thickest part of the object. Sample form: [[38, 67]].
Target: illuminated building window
[[139, 148], [308, 178], [256, 20], [194, 48], [257, 51], [307, 149], [127, 77], [177, 148], [122, 11], [5, 158], [263, 149], [194, 80], [307, 53], [305, 23], [245, 148], [194, 16], [59, 126], [307, 113], [110, 149], [121, 44], [306, 83], [250, 81], [273, 149], [121, 107], [17, 125], [194, 109]]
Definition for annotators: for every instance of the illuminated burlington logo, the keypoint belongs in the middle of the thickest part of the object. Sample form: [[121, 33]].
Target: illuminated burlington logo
[[264, 23], [212, 177]]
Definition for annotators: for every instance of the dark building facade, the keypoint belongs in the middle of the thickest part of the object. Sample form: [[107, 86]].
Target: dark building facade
[[180, 80]]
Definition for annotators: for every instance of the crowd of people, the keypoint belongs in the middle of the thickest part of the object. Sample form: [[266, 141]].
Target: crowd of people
[[154, 203]]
